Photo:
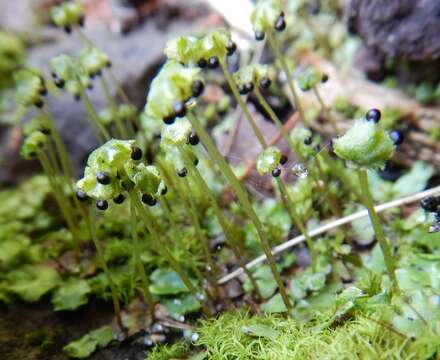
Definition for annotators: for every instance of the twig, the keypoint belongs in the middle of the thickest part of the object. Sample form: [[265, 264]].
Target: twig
[[334, 224]]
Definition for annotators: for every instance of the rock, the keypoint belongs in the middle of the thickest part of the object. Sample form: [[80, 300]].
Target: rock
[[405, 31]]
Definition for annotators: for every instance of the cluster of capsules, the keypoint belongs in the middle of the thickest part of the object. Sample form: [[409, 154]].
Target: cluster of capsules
[[114, 170], [431, 204]]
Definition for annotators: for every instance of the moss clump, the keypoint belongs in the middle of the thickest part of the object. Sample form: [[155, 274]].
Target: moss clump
[[240, 336]]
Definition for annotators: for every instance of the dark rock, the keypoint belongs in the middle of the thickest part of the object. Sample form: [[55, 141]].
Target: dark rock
[[405, 31]]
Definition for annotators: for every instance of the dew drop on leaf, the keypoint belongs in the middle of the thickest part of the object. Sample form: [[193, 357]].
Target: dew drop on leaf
[[200, 296], [300, 170]]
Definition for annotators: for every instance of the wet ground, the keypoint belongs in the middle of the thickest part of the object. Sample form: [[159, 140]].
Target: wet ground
[[35, 332]]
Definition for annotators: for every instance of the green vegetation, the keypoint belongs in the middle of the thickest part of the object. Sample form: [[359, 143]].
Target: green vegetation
[[140, 233]]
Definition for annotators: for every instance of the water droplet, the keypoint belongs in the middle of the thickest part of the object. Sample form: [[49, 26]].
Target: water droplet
[[157, 328], [195, 337], [180, 318], [148, 342], [200, 296], [205, 283], [177, 302], [208, 268], [300, 170]]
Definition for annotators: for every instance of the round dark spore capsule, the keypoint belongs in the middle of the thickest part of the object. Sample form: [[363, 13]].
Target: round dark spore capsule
[[202, 63], [81, 195], [39, 103], [213, 62], [148, 199], [397, 137], [197, 88], [249, 87], [81, 21], [43, 91], [179, 109], [46, 131], [259, 35], [193, 138], [102, 204], [242, 89], [324, 78], [67, 29], [119, 199], [109, 64], [283, 159], [276, 172], [136, 153], [280, 24], [169, 119], [430, 203], [59, 83], [373, 115], [77, 97], [231, 48], [103, 178], [182, 172], [265, 82], [196, 161], [308, 140], [164, 191]]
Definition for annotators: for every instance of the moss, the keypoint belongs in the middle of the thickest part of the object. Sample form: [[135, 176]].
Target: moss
[[165, 352], [241, 336]]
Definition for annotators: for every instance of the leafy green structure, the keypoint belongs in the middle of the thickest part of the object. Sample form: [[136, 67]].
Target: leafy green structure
[[34, 143], [85, 346], [71, 294], [365, 145], [67, 15], [309, 79], [92, 60], [268, 160], [189, 50], [12, 54], [265, 15], [29, 87]]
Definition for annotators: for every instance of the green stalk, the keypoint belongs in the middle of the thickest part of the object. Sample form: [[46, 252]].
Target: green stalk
[[217, 157], [378, 230], [102, 132], [242, 104], [157, 242], [91, 221], [123, 132], [224, 223], [279, 56], [326, 110], [146, 294], [60, 198]]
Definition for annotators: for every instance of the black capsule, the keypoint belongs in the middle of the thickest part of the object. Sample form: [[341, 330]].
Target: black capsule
[[90, 86], [430, 203], [39, 103], [283, 159], [119, 199], [81, 21], [103, 178], [59, 83], [249, 87], [202, 63], [46, 131], [197, 88], [43, 91], [102, 204], [373, 115], [231, 48], [242, 89], [213, 62], [196, 161], [280, 24], [109, 64], [148, 199], [67, 29], [179, 109], [169, 119], [265, 82], [397, 137], [136, 153], [308, 140], [259, 35], [276, 172], [193, 138], [324, 78], [182, 172], [32, 154], [164, 191], [77, 97], [81, 195]]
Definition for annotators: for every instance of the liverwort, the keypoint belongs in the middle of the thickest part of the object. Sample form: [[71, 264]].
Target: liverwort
[[366, 146]]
